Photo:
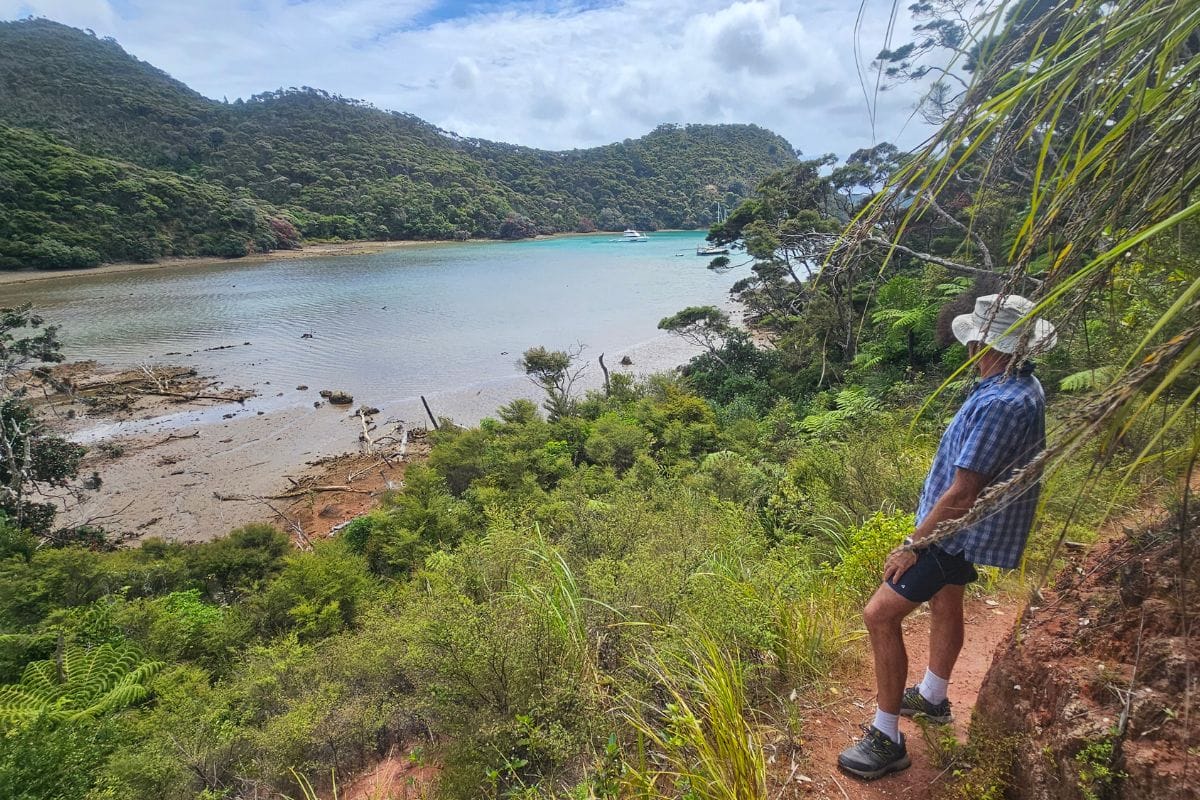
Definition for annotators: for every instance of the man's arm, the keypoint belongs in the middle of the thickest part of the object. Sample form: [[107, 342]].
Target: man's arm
[[956, 501]]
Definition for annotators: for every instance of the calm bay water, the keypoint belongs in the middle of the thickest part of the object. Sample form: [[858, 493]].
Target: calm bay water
[[387, 326]]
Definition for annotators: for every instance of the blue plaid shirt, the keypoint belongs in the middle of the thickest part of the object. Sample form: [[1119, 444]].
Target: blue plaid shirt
[[998, 430]]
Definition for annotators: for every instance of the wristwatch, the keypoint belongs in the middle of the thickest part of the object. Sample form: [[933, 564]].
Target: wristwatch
[[908, 542]]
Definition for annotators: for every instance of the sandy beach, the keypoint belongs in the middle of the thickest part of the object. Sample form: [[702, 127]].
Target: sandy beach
[[165, 466], [318, 250]]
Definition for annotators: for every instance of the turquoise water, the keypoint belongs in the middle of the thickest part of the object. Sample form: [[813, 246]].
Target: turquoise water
[[390, 325]]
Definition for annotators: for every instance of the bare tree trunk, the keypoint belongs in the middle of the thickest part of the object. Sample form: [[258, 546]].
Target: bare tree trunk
[[604, 369]]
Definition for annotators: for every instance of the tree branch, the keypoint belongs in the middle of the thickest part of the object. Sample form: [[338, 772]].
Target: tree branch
[[984, 252]]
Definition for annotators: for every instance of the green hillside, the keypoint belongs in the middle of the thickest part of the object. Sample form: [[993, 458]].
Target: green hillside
[[338, 168], [60, 208]]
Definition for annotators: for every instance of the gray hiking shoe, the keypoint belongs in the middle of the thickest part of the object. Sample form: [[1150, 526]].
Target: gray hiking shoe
[[875, 755], [914, 704]]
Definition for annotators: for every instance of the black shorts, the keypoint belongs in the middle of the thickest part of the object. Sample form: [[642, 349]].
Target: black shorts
[[934, 569]]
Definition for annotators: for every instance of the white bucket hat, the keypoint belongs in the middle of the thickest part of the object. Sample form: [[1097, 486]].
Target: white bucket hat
[[1002, 321]]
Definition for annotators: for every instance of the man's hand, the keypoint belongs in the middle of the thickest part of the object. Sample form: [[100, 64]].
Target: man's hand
[[899, 561]]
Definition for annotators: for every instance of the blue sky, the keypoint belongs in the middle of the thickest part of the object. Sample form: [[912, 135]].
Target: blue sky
[[545, 73]]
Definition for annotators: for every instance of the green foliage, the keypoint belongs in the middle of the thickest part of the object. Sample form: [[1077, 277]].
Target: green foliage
[[981, 769], [1098, 775], [78, 683], [61, 208], [160, 170], [314, 595], [33, 459], [555, 372], [409, 525], [708, 745], [239, 562], [43, 759], [180, 626], [706, 326], [863, 550]]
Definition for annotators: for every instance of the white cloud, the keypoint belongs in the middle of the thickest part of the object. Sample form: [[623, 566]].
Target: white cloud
[[464, 75], [528, 73], [97, 14]]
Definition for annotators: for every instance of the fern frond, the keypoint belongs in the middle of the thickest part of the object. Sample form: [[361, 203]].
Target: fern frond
[[1088, 379], [94, 681]]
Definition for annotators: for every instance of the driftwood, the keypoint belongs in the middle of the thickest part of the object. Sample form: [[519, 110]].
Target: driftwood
[[607, 386], [122, 378], [171, 437], [366, 430], [240, 397], [288, 495], [359, 473]]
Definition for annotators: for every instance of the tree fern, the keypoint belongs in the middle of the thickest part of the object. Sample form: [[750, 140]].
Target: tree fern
[[1096, 378], [78, 682]]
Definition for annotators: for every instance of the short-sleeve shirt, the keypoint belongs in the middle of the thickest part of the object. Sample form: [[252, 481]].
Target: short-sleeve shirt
[[998, 430]]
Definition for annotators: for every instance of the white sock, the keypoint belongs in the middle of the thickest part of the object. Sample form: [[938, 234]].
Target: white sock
[[933, 688], [888, 724]]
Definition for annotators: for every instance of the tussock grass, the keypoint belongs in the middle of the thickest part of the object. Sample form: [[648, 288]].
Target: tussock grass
[[701, 740]]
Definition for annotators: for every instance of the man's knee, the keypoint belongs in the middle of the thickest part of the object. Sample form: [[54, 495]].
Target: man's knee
[[885, 610]]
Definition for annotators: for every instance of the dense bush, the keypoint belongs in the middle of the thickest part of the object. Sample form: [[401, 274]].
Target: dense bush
[[159, 170]]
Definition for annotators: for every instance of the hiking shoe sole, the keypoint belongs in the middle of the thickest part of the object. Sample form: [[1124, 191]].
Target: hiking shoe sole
[[914, 705], [900, 764], [945, 719]]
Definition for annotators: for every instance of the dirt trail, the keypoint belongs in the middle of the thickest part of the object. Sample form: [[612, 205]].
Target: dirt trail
[[830, 729]]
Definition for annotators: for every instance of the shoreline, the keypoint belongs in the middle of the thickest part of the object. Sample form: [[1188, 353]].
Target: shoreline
[[315, 250], [318, 250], [174, 473]]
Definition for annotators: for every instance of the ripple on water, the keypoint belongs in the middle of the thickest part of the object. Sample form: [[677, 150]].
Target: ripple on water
[[386, 326]]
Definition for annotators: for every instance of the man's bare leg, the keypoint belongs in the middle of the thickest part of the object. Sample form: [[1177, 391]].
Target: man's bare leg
[[884, 612], [946, 629], [882, 750]]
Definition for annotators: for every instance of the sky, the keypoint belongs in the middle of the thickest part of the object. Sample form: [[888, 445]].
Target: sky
[[555, 74]]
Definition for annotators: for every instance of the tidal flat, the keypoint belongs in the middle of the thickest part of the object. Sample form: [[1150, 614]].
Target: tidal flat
[[445, 321]]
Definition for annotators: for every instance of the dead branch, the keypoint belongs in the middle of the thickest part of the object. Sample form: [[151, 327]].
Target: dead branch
[[289, 494], [971, 233], [238, 397], [173, 436], [953, 266], [366, 431], [360, 472]]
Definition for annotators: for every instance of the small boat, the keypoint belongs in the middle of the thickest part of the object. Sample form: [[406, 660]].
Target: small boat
[[630, 235], [712, 250]]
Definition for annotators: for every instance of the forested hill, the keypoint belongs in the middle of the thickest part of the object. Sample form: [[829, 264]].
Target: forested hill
[[330, 166]]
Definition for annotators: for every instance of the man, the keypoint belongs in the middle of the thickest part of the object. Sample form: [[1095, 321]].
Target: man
[[999, 429]]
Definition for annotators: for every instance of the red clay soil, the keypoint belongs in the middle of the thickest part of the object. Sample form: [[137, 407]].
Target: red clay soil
[[338, 489], [400, 776], [833, 726], [1105, 671]]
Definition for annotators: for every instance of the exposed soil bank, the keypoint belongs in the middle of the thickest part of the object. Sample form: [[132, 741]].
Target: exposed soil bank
[[1097, 685]]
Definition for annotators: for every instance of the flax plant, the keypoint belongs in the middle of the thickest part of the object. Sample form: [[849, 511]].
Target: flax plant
[[1089, 115], [701, 741]]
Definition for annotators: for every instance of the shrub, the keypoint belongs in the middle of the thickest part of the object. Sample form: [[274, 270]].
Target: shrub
[[314, 595], [863, 551], [239, 562]]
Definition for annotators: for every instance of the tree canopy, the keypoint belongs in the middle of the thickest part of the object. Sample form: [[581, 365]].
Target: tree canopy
[[101, 146]]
